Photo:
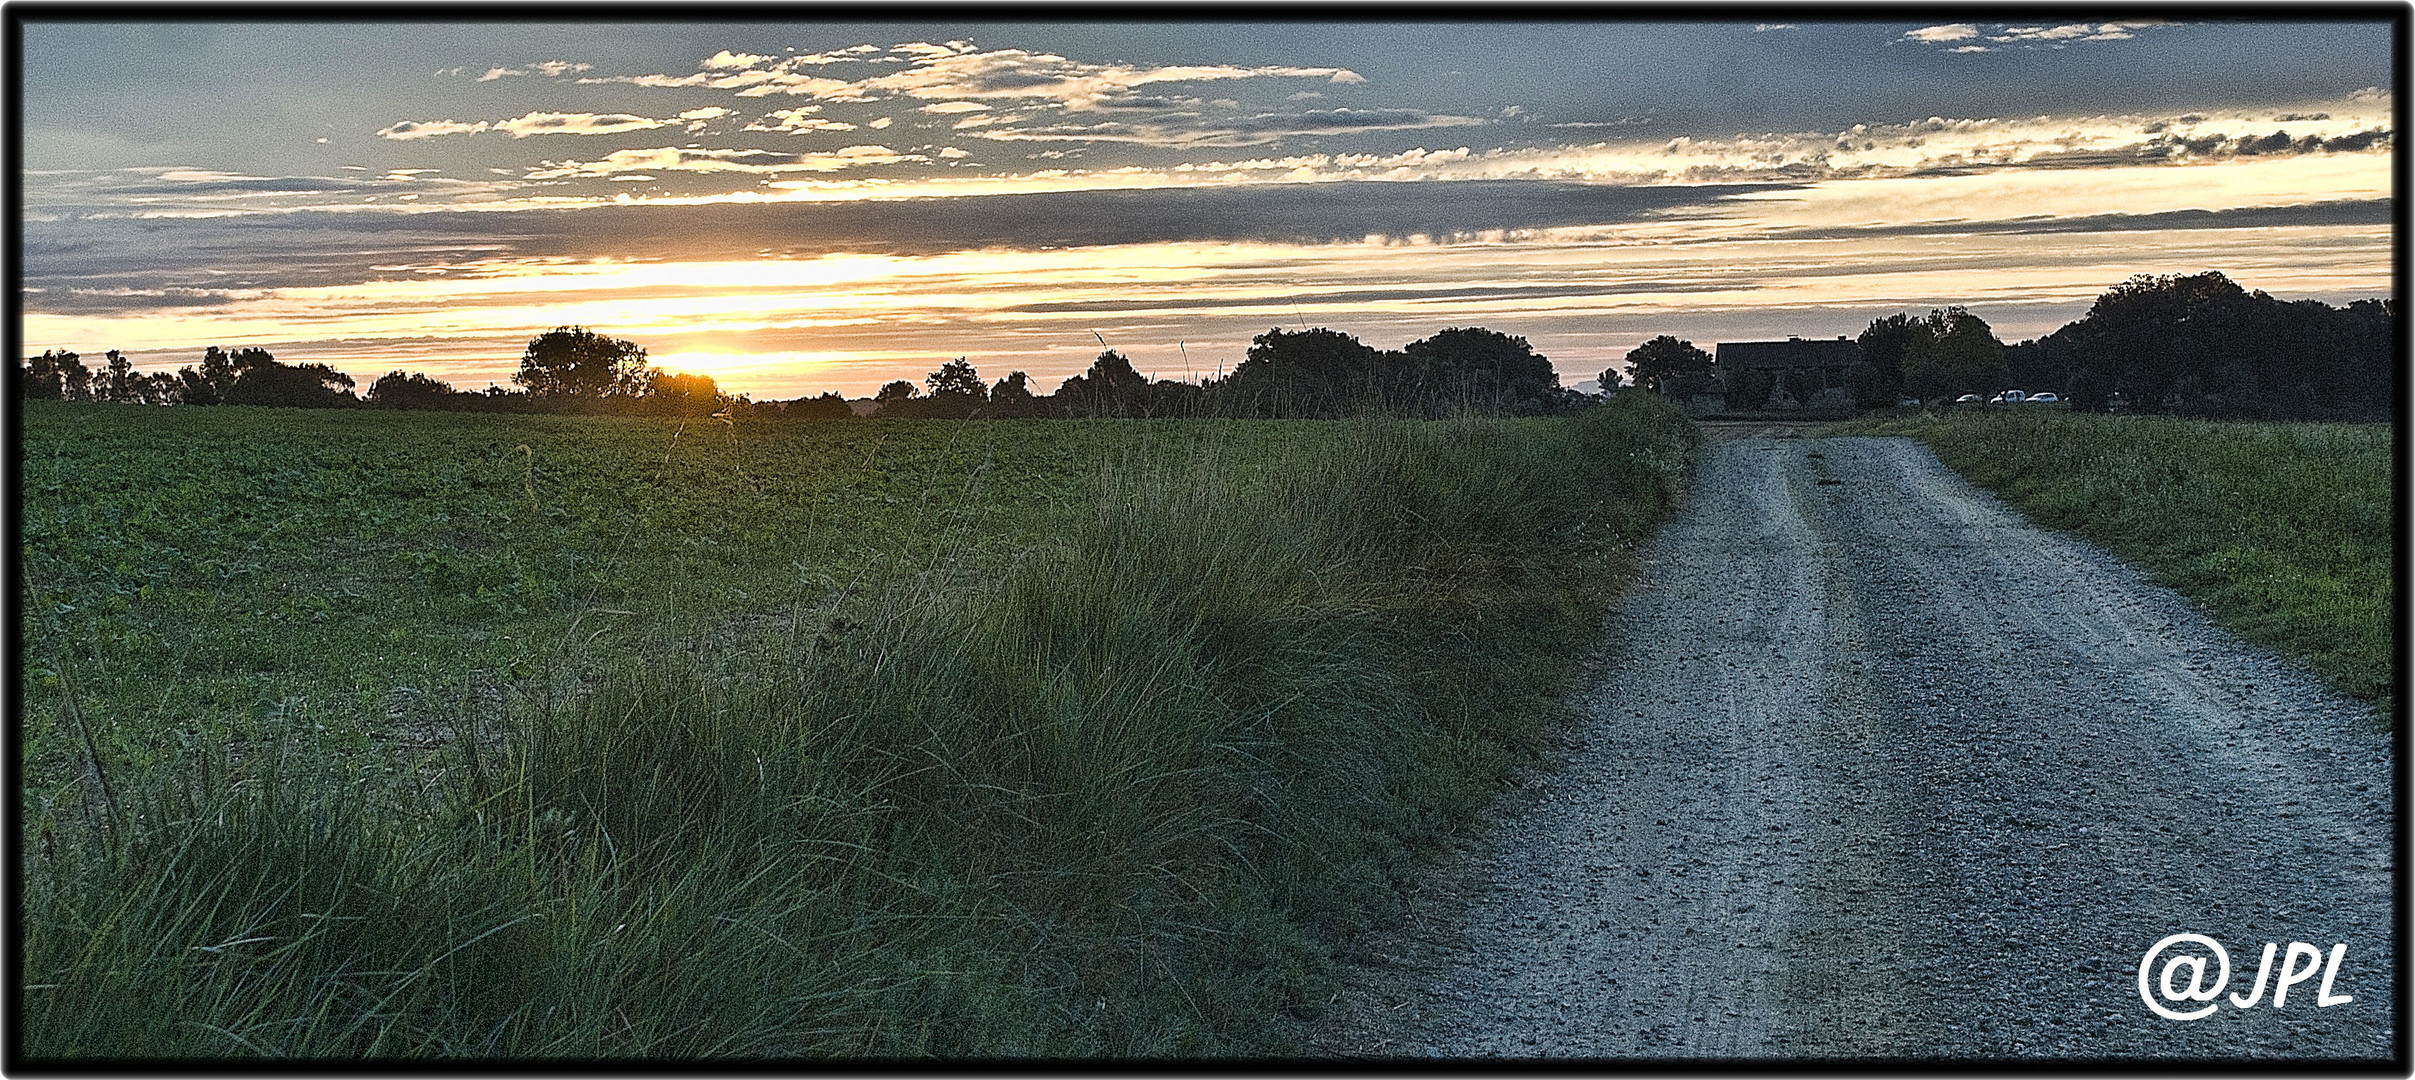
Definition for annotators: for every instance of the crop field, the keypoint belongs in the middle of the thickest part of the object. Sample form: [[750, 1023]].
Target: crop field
[[2284, 532], [357, 733]]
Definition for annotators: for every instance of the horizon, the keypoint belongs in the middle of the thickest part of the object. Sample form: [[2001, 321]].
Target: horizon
[[808, 207]]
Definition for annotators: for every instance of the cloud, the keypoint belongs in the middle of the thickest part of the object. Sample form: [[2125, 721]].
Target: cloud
[[428, 129], [1763, 28], [798, 121], [1948, 32], [554, 123], [548, 68], [956, 107], [1195, 129], [314, 250], [750, 82], [2053, 37], [853, 54], [957, 70], [692, 159], [543, 123], [710, 112], [2346, 212], [209, 183]]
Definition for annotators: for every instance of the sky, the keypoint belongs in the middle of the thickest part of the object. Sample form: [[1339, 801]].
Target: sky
[[799, 207]]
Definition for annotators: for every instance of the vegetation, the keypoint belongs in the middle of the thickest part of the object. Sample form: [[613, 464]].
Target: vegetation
[[2284, 532], [1666, 365], [2193, 345], [413, 734], [2199, 345], [1317, 374], [1937, 358]]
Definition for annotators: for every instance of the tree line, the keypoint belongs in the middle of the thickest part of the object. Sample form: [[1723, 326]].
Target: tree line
[[2191, 345], [1316, 373], [2188, 345]]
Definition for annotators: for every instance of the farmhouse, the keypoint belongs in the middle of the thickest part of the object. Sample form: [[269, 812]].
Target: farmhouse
[[1793, 371]]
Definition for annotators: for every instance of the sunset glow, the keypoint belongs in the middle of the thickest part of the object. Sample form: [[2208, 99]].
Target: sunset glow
[[804, 208]]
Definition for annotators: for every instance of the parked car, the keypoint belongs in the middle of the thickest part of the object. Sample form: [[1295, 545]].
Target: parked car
[[2046, 398], [1968, 399], [2006, 397]]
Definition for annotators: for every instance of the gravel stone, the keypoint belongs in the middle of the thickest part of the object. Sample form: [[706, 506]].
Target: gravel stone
[[1879, 769]]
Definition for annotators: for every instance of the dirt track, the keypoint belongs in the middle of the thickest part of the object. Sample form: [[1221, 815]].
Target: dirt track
[[1881, 770]]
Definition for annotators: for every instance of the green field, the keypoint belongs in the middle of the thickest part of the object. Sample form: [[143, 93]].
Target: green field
[[357, 733], [2284, 532]]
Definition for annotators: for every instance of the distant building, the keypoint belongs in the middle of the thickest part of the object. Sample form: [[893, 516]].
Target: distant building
[[1800, 369]]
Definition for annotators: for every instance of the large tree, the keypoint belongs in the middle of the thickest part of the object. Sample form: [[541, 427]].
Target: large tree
[[2199, 344], [411, 390], [1312, 373], [1112, 387], [1661, 362], [957, 377], [261, 379], [1473, 369], [956, 391], [1955, 353], [48, 376], [1013, 397], [1886, 342], [678, 394], [576, 363]]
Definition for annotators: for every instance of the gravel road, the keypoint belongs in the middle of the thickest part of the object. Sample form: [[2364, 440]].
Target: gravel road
[[1881, 770]]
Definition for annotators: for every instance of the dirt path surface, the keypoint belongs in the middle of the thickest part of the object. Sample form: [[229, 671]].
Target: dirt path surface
[[1881, 770]]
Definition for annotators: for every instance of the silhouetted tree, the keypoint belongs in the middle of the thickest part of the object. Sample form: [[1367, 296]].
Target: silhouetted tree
[[1478, 370], [2199, 344], [1885, 343], [1012, 397], [75, 378], [1660, 361], [1952, 352], [957, 377], [410, 390], [260, 379], [1610, 381], [1109, 388], [194, 388], [45, 377], [120, 385], [956, 391], [577, 364], [892, 394], [218, 369], [829, 406], [1313, 373], [679, 394]]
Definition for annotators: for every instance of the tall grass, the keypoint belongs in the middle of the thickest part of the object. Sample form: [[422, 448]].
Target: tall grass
[[1125, 796], [2284, 532]]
